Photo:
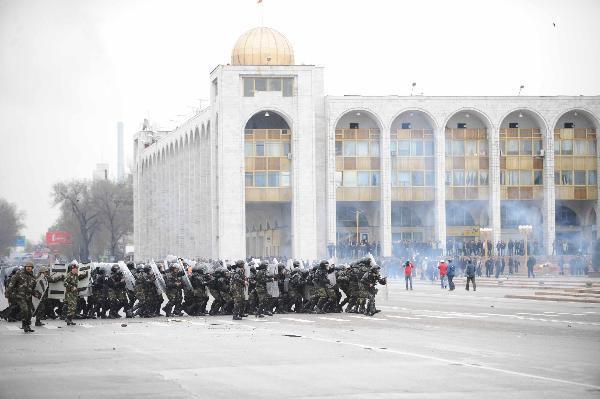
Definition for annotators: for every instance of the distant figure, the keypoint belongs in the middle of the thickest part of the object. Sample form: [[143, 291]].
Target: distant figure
[[408, 270], [451, 273], [530, 264], [470, 273], [443, 268]]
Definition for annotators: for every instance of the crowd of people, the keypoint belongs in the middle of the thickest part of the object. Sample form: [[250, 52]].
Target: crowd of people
[[196, 288]]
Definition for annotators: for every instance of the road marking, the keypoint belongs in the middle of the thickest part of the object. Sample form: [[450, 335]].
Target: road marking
[[368, 318], [540, 314], [403, 317], [452, 361], [332, 319], [436, 317], [298, 320]]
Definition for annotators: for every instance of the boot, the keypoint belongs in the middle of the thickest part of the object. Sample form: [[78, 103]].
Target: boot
[[27, 328], [38, 323], [69, 321], [236, 317], [320, 305], [167, 311]]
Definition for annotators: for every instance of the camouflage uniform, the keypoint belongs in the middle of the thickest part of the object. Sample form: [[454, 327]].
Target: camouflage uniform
[[213, 287], [369, 281], [42, 308], [321, 282], [174, 284], [262, 278], [238, 285], [353, 289], [117, 293], [72, 293], [296, 286], [196, 302], [20, 289], [224, 291]]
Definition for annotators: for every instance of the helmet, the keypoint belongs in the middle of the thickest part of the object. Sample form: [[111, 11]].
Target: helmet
[[130, 265], [43, 269], [73, 265], [147, 268], [239, 263], [115, 268], [281, 266], [101, 270], [140, 267], [324, 264], [28, 264], [296, 263], [173, 266]]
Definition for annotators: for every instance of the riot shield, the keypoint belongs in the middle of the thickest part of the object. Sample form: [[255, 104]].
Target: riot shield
[[247, 275], [83, 285], [41, 285], [57, 290], [331, 277], [5, 275], [129, 279], [159, 281], [185, 278], [272, 286]]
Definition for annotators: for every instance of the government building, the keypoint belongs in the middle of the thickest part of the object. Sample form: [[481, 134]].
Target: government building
[[275, 167]]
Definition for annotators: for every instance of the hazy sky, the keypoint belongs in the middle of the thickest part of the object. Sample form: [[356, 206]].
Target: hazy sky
[[69, 70]]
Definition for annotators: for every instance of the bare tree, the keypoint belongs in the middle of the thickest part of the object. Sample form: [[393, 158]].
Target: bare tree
[[11, 222], [75, 198], [114, 203]]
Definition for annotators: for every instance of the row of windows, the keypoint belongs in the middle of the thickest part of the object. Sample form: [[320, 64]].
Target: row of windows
[[576, 177], [267, 179], [467, 178], [459, 148], [283, 85], [413, 148], [575, 147], [521, 147], [358, 148], [521, 178], [266, 148], [416, 178], [353, 178]]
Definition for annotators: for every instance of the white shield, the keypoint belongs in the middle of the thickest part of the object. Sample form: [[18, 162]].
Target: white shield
[[57, 290], [129, 279], [41, 286], [159, 281], [185, 278]]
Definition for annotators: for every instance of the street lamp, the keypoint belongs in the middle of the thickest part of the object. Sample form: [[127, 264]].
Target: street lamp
[[485, 231], [525, 229]]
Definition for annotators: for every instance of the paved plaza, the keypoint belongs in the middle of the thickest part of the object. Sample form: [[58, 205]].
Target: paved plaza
[[427, 342]]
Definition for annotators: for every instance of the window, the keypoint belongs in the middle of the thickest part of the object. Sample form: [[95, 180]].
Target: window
[[249, 149], [406, 125], [569, 125], [260, 84], [471, 178], [394, 177], [428, 147], [525, 147], [566, 177], [349, 178], [418, 179], [274, 84], [557, 178], [284, 179], [363, 179], [393, 147], [512, 177], [526, 178], [273, 179], [416, 148], [461, 125], [353, 125], [592, 180], [403, 147], [459, 178], [274, 149], [249, 179], [502, 177], [288, 87], [513, 125], [404, 179], [538, 179], [448, 178], [592, 147], [374, 148], [248, 87], [362, 148], [260, 179], [338, 148], [470, 147], [483, 177], [215, 85], [567, 147], [458, 148], [349, 148], [580, 147], [287, 148], [537, 147], [580, 177], [448, 147], [338, 179], [512, 147], [429, 178], [259, 149], [375, 179], [483, 148]]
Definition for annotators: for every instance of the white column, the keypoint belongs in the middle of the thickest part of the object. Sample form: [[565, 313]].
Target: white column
[[440, 187], [331, 187], [549, 192], [597, 205], [386, 193], [494, 186]]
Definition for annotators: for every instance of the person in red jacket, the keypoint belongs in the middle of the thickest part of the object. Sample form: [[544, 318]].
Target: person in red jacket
[[443, 268], [408, 271]]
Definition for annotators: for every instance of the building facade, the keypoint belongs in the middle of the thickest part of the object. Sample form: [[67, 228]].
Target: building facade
[[274, 167]]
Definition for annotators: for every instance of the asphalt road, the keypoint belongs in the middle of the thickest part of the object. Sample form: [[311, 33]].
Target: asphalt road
[[425, 343]]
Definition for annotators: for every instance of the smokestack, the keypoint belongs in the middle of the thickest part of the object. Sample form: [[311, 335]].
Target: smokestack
[[120, 155]]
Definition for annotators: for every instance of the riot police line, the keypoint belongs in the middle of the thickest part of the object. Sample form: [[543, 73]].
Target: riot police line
[[198, 288]]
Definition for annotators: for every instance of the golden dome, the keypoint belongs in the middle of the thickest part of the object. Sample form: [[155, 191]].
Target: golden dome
[[262, 46]]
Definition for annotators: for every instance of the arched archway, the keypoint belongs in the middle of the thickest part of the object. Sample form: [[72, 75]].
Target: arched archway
[[357, 179], [267, 179]]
